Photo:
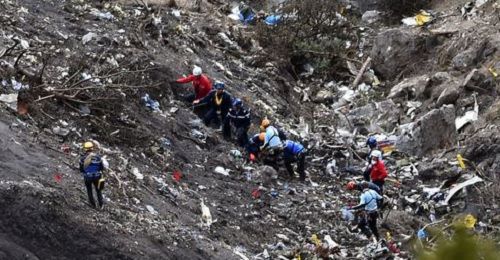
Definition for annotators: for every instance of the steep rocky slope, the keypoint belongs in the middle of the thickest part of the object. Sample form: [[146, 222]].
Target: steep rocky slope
[[84, 66]]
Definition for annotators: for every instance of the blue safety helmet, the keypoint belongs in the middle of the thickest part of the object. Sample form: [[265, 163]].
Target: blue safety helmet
[[371, 142], [237, 103], [219, 85]]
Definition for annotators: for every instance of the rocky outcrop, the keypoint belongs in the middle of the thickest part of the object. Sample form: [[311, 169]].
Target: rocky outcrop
[[434, 130]]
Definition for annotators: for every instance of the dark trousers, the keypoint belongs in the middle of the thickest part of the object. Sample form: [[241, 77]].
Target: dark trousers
[[212, 115], [241, 132], [301, 165], [380, 184], [369, 220], [190, 97], [366, 174], [88, 184]]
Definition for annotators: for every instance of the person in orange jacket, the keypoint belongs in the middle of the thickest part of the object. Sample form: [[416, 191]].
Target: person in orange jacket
[[378, 173], [201, 84]]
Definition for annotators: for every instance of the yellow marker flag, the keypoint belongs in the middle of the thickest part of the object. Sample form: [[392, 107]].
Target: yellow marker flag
[[460, 161], [493, 72], [315, 240], [470, 221]]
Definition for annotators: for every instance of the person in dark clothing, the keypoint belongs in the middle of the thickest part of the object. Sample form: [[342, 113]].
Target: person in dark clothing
[[91, 167], [360, 186], [240, 119], [219, 102], [295, 152], [253, 146]]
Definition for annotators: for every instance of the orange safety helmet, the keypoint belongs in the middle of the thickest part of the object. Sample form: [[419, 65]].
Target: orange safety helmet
[[265, 123], [262, 137], [351, 185]]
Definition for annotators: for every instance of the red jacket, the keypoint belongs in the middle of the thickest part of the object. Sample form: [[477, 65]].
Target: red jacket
[[202, 85], [378, 171]]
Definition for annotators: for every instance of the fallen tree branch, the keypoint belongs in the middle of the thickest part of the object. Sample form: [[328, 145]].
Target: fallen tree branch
[[361, 72]]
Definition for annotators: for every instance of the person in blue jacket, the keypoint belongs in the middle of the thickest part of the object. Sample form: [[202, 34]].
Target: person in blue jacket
[[92, 167], [294, 152], [239, 117], [219, 102]]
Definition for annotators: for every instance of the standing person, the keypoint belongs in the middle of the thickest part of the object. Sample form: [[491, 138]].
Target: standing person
[[372, 144], [201, 84], [378, 172], [368, 205], [219, 103], [92, 167], [239, 117], [295, 152]]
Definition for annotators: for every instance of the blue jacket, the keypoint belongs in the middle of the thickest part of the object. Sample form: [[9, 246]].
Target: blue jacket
[[94, 167], [239, 118], [291, 149]]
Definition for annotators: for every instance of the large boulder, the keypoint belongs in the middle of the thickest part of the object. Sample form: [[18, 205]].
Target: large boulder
[[375, 117], [410, 87], [434, 130], [393, 49]]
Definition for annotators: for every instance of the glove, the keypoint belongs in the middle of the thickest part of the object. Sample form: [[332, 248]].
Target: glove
[[197, 101], [252, 157]]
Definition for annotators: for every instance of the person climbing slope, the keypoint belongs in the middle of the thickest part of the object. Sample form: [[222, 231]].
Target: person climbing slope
[[369, 211], [201, 84], [219, 102], [239, 117], [92, 166], [295, 152]]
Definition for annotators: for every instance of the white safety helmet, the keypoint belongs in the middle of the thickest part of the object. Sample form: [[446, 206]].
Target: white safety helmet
[[376, 153], [197, 71]]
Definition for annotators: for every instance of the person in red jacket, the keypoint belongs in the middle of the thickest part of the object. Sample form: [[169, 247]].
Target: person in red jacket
[[201, 84], [378, 172]]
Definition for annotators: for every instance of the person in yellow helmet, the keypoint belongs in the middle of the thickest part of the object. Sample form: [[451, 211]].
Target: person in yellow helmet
[[91, 166]]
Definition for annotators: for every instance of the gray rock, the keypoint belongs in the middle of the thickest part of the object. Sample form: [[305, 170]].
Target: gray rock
[[323, 96], [412, 87], [371, 16], [448, 96], [395, 48], [434, 130], [375, 116], [473, 55]]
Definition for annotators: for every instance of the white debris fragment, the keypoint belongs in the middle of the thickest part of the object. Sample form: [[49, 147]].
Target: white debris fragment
[[10, 100], [470, 116], [151, 210], [137, 174], [221, 170], [88, 37], [206, 216]]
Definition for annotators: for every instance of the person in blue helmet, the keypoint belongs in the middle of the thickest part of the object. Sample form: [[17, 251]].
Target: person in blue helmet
[[372, 144], [239, 117], [92, 166], [295, 152], [219, 102]]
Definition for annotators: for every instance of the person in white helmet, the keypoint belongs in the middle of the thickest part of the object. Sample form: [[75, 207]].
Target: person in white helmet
[[201, 84]]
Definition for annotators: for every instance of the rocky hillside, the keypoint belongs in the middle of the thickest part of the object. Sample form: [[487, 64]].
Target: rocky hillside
[[73, 70]]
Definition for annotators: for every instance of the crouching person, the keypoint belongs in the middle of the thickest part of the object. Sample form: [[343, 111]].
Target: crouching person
[[295, 152]]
